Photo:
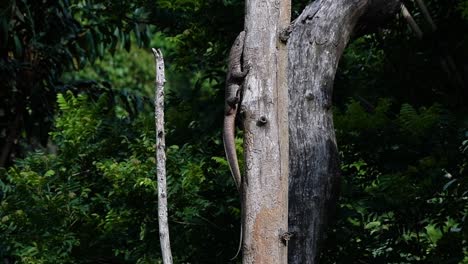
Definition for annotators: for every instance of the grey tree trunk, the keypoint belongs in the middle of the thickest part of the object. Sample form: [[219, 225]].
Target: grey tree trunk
[[316, 42], [306, 69], [264, 109]]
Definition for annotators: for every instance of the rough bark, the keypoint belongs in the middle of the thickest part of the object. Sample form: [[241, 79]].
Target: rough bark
[[316, 43], [161, 158], [264, 109]]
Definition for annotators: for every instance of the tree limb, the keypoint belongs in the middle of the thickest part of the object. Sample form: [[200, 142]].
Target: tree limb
[[161, 158], [414, 26], [316, 42], [426, 14]]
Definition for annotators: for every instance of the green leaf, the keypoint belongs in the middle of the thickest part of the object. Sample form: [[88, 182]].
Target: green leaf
[[372, 225], [4, 31], [91, 46], [62, 102], [18, 46], [49, 173], [136, 31], [433, 233]]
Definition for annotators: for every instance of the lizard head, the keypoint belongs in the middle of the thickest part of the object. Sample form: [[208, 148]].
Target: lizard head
[[240, 39]]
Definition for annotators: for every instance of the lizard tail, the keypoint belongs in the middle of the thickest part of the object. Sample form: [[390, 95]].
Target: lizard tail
[[231, 155], [230, 148], [239, 246]]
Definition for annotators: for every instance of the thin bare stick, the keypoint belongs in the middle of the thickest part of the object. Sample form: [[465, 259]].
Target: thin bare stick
[[407, 15], [161, 158]]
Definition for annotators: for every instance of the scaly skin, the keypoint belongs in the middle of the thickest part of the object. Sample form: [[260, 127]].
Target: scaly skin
[[234, 79]]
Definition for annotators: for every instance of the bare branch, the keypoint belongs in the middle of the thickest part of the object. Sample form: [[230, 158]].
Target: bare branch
[[161, 158], [406, 14], [426, 14]]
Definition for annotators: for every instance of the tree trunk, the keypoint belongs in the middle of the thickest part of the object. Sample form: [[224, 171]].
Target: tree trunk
[[316, 42], [264, 109]]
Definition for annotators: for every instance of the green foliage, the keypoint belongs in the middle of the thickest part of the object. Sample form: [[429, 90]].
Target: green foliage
[[132, 71], [400, 203], [96, 198], [83, 68], [463, 8], [418, 124], [40, 40]]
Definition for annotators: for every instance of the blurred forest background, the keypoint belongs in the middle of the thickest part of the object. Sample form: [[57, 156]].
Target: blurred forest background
[[77, 166]]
